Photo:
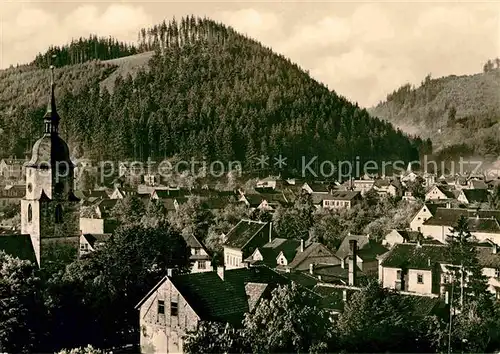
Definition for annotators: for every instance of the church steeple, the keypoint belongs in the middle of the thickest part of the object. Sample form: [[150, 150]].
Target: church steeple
[[51, 118]]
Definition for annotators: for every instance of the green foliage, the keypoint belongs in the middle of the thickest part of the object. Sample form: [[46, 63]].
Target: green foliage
[[214, 337], [456, 112], [494, 198], [86, 180], [83, 50], [21, 305], [228, 98], [291, 321], [192, 218], [378, 320], [99, 292], [129, 210], [295, 222], [466, 267], [82, 350], [11, 210]]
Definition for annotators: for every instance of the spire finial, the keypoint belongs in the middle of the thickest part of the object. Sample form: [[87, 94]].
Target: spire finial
[[51, 117]]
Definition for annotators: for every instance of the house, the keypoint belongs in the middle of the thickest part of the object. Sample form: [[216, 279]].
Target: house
[[91, 242], [367, 252], [12, 195], [97, 225], [200, 258], [265, 201], [429, 179], [292, 255], [122, 193], [426, 211], [169, 192], [477, 184], [341, 199], [473, 196], [268, 253], [268, 183], [362, 185], [483, 224], [413, 267], [437, 192], [385, 187], [103, 207], [425, 268], [12, 168], [316, 188], [242, 240], [404, 236], [179, 302]]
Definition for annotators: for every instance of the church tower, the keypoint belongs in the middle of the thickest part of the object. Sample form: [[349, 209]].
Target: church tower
[[50, 212]]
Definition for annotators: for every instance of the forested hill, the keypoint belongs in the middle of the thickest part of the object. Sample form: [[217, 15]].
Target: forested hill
[[206, 91], [461, 114]]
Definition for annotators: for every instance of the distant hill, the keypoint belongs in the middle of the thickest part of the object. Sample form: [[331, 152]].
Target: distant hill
[[460, 114], [198, 89]]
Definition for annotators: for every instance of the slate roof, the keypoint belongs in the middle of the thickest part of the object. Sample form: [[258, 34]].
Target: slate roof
[[308, 254], [481, 220], [318, 187], [271, 250], [412, 256], [478, 184], [19, 246], [344, 195], [476, 195], [448, 193], [92, 239], [214, 299], [487, 258], [253, 199], [243, 232], [344, 248]]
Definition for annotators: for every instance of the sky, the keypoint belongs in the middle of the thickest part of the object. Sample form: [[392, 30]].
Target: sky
[[362, 50]]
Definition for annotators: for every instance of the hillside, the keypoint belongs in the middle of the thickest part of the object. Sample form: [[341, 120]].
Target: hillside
[[207, 91], [460, 114]]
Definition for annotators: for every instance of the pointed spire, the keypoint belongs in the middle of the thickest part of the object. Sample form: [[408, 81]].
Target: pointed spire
[[51, 117]]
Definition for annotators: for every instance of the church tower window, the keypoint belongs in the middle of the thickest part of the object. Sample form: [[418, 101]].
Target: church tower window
[[30, 213], [58, 214]]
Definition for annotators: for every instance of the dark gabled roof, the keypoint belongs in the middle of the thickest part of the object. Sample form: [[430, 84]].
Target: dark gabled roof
[[271, 250], [487, 258], [253, 199], [476, 195], [478, 184], [92, 239], [19, 246], [423, 305], [335, 273], [318, 187], [344, 195], [308, 253], [243, 232], [344, 248], [332, 297], [432, 207], [413, 256], [303, 279], [448, 193], [478, 220], [223, 300], [193, 242], [409, 236], [214, 203], [16, 191], [169, 193], [317, 198]]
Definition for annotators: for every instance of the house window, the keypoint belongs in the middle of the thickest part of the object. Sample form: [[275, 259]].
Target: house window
[[420, 278], [58, 214], [398, 275], [161, 307], [202, 265], [30, 213], [174, 308], [196, 251], [497, 273]]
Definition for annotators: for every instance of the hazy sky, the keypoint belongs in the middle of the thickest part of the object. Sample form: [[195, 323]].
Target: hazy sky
[[362, 50]]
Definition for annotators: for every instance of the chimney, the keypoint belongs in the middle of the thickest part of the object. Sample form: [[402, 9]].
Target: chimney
[[270, 231], [311, 268], [301, 245], [448, 205], [170, 272], [220, 271], [495, 248], [429, 261], [447, 298], [353, 244]]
